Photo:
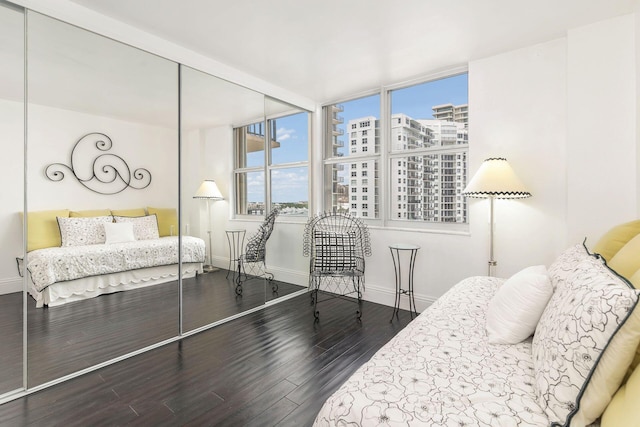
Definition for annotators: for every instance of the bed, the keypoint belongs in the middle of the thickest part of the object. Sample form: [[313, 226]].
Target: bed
[[77, 257], [64, 274], [457, 365]]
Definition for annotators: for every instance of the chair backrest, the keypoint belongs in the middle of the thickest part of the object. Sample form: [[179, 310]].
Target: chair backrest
[[257, 244], [336, 242]]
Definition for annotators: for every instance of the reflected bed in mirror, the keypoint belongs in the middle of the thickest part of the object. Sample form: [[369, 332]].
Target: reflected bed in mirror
[[78, 255]]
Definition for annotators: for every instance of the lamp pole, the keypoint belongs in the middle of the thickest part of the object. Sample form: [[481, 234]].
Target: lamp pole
[[210, 266], [492, 261]]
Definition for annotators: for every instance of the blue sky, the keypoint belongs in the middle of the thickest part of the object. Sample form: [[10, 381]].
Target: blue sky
[[290, 185]]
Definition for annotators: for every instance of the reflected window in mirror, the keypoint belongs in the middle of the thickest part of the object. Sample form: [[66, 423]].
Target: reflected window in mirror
[[287, 187]]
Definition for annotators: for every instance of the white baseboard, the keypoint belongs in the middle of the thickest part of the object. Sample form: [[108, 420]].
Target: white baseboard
[[387, 296], [10, 285]]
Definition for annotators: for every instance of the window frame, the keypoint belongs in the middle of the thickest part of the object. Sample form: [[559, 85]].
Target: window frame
[[268, 167], [386, 156]]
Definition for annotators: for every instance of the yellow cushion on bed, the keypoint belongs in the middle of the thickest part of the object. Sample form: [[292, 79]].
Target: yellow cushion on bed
[[627, 260], [128, 212], [635, 279], [167, 217], [90, 213], [42, 229], [616, 238], [623, 408]]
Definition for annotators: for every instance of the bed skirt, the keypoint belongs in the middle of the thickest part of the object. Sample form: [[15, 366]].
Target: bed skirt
[[90, 287]]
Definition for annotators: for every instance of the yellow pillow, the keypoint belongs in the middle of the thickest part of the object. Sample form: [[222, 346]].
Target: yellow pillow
[[623, 408], [616, 238], [42, 229], [90, 213], [128, 212], [635, 279], [627, 260], [167, 217]]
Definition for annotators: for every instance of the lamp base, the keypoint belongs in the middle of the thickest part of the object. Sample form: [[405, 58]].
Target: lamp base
[[209, 268], [492, 267]]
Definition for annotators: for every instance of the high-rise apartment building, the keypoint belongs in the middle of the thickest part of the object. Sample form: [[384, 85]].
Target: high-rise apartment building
[[425, 187], [452, 113]]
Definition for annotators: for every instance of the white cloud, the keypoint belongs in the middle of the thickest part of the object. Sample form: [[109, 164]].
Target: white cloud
[[282, 134]]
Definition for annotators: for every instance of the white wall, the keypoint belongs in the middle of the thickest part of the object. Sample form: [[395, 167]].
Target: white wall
[[602, 118], [52, 134], [517, 104], [12, 179]]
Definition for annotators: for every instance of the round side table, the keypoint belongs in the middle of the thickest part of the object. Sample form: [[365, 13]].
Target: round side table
[[235, 238], [410, 250]]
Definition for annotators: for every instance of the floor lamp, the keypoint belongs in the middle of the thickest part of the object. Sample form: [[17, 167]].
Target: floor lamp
[[495, 180], [209, 191]]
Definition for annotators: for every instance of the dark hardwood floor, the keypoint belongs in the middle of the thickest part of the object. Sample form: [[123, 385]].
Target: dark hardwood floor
[[271, 367], [65, 339]]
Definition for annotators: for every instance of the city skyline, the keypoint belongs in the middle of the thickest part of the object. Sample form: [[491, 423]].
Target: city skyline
[[291, 185]]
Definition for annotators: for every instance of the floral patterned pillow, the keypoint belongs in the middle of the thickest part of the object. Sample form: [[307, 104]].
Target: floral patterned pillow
[[83, 231], [144, 227], [584, 341], [566, 262]]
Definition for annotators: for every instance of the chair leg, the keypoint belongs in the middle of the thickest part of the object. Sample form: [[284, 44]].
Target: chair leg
[[357, 283], [316, 313], [239, 279]]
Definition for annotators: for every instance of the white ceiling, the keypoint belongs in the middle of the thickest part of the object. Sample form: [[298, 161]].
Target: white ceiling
[[330, 49]]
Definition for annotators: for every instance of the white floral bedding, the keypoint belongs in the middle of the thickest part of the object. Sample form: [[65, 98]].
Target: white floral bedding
[[441, 371], [51, 265]]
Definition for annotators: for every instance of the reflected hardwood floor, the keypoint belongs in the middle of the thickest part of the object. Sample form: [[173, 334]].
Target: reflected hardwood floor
[[272, 367], [11, 341], [65, 339]]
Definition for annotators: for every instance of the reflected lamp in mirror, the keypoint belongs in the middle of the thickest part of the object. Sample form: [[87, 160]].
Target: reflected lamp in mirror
[[209, 191], [495, 180]]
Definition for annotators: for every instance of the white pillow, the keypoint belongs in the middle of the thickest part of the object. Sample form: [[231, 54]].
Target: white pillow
[[516, 307], [119, 232], [144, 227]]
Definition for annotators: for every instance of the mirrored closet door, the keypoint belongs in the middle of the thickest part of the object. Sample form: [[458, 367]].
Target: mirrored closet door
[[213, 111], [11, 208], [288, 128], [102, 149]]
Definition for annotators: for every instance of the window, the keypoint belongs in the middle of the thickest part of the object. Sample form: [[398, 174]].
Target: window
[[362, 114], [428, 168], [424, 142], [287, 170]]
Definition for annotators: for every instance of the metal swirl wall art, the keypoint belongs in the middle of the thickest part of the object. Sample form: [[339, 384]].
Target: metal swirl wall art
[[103, 173]]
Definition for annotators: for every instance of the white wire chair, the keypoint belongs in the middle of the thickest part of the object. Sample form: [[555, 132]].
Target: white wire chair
[[336, 244], [252, 263]]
